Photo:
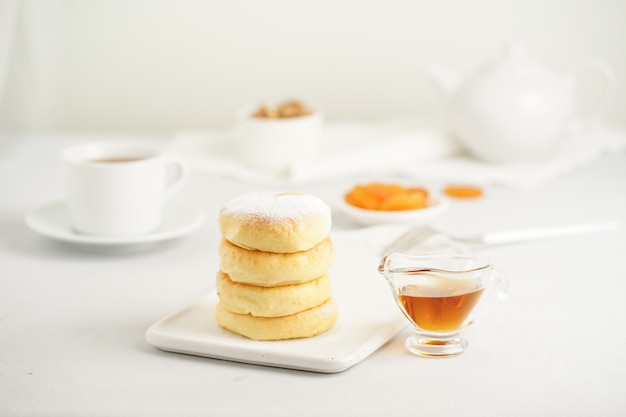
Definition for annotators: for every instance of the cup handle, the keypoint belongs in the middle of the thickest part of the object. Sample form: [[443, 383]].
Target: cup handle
[[496, 291], [609, 79], [182, 175]]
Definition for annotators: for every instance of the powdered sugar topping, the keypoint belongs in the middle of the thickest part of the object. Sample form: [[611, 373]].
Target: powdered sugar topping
[[277, 206]]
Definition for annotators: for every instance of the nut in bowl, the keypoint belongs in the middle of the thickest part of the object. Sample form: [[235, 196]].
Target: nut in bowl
[[275, 138], [378, 203]]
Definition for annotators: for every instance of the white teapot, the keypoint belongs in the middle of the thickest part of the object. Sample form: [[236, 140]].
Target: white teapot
[[514, 108]]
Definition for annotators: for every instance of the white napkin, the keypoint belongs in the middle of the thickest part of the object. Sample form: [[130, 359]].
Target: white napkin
[[583, 146], [345, 149], [395, 148]]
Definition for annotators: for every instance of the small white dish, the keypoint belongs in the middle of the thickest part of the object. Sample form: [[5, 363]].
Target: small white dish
[[437, 204], [277, 145], [368, 318], [52, 221]]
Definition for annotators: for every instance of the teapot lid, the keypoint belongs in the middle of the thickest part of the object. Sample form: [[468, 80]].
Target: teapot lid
[[516, 61]]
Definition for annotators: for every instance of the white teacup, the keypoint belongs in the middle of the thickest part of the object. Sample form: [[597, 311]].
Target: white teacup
[[276, 145], [119, 188]]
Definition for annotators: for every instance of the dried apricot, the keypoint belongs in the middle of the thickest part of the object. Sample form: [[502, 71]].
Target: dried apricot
[[387, 196], [463, 191], [383, 191], [359, 196], [404, 201]]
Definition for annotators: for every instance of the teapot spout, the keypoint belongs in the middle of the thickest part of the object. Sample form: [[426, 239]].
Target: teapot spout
[[446, 79]]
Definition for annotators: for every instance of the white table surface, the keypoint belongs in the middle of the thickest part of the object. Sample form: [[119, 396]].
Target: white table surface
[[72, 322]]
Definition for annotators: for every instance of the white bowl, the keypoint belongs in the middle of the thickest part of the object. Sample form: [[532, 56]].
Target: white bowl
[[437, 204], [276, 145]]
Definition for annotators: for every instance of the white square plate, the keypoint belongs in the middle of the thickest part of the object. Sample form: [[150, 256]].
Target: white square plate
[[368, 318]]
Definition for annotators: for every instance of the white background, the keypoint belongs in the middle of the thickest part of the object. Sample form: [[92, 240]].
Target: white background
[[161, 66]]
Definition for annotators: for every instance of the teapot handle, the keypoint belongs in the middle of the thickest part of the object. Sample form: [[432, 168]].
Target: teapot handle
[[609, 80]]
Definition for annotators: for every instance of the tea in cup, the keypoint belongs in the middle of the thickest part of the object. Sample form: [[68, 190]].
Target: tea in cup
[[119, 188], [440, 295]]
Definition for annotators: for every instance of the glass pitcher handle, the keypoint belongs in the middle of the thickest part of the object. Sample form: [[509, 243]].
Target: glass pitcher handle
[[495, 292]]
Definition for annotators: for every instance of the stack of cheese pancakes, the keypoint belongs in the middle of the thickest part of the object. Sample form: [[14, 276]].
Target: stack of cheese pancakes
[[275, 253]]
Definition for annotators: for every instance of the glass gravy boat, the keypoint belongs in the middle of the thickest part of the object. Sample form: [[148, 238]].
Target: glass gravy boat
[[440, 295]]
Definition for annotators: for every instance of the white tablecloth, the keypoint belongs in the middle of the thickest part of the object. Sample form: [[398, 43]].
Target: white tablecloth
[[72, 322], [397, 147]]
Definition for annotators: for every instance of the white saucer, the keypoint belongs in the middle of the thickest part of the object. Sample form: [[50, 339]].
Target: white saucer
[[51, 220]]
